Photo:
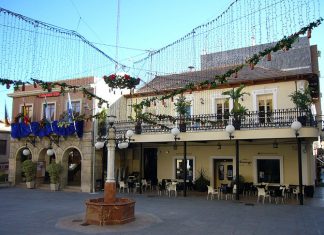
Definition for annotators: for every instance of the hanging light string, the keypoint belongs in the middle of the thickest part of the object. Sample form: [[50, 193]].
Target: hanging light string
[[284, 44]]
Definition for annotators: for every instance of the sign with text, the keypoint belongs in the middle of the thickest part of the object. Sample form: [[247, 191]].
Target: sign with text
[[52, 94]]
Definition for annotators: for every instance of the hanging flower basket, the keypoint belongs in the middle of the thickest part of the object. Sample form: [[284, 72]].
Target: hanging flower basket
[[121, 81]]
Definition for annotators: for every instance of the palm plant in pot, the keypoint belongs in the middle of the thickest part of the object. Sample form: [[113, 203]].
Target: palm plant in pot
[[54, 170], [102, 122], [238, 111], [138, 109], [303, 101], [182, 107], [29, 168]]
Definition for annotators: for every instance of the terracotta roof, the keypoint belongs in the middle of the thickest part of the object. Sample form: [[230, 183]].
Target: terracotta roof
[[175, 81]]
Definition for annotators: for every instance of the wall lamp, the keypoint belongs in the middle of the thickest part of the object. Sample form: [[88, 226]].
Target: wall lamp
[[296, 125], [219, 146], [230, 130], [26, 151], [175, 132]]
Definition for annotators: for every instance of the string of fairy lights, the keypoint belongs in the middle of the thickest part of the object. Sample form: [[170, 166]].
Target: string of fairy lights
[[34, 52]]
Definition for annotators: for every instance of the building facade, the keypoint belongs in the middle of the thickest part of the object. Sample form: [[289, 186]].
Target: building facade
[[265, 144]]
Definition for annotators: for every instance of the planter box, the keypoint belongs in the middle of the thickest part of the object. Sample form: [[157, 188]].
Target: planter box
[[182, 127], [138, 128], [54, 187], [30, 184], [237, 124]]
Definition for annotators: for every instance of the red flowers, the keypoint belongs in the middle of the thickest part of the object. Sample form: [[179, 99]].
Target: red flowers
[[112, 76], [121, 81]]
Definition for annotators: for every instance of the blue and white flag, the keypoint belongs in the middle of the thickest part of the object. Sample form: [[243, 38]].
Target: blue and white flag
[[47, 112], [70, 109]]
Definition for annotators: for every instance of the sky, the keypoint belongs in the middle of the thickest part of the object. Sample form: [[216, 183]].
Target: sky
[[144, 24]]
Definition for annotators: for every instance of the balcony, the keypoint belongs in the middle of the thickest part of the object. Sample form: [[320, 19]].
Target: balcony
[[253, 120]]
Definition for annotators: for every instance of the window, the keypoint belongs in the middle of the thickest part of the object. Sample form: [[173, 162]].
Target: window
[[76, 106], [222, 109], [29, 110], [268, 170], [265, 108], [180, 169], [3, 147], [50, 111]]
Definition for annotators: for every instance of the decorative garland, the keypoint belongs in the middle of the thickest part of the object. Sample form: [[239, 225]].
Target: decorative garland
[[284, 44], [125, 81]]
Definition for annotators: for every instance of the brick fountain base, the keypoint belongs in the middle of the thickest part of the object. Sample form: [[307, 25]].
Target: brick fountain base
[[110, 210]]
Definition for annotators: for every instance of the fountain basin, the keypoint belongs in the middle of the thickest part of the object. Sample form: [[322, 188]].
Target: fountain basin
[[120, 211]]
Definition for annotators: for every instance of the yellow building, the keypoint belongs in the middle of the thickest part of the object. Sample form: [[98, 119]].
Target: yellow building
[[265, 146]]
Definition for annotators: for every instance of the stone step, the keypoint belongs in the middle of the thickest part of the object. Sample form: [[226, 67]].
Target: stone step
[[72, 189]]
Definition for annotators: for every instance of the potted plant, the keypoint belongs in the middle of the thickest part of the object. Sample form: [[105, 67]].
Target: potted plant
[[201, 182], [303, 100], [102, 122], [238, 111], [138, 109], [54, 170], [182, 108], [29, 168]]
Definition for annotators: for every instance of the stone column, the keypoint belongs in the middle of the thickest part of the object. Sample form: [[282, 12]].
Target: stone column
[[110, 185]]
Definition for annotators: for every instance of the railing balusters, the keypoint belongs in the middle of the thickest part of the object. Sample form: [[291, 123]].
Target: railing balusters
[[202, 122]]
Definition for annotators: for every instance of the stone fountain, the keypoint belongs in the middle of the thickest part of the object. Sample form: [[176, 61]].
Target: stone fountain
[[109, 209]]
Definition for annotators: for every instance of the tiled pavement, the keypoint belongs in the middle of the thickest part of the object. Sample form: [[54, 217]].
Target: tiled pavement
[[43, 212]]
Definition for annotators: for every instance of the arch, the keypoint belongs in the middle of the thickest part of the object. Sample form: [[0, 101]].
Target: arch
[[19, 158], [44, 160], [72, 168]]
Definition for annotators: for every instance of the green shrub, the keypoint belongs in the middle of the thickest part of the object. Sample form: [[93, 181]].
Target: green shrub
[[201, 182], [29, 168], [54, 170]]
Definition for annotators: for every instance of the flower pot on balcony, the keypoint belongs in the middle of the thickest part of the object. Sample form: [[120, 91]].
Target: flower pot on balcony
[[182, 127], [302, 120], [237, 124], [138, 128]]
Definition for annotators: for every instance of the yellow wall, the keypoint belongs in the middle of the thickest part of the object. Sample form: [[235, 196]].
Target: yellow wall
[[202, 100]]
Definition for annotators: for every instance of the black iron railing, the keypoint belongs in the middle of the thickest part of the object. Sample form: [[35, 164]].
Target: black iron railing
[[281, 118]]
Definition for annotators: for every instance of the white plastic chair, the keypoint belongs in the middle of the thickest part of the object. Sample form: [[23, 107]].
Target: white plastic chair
[[144, 184], [212, 192], [263, 193], [172, 188], [123, 186]]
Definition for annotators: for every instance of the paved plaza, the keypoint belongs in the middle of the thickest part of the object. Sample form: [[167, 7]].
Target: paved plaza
[[29, 212]]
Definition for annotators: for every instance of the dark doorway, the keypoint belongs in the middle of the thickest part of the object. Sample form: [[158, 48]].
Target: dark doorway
[[150, 165], [74, 168]]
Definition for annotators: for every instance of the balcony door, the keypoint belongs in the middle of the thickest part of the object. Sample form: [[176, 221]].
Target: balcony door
[[222, 110], [265, 108]]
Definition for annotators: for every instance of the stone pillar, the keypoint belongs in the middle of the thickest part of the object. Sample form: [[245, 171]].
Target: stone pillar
[[110, 185]]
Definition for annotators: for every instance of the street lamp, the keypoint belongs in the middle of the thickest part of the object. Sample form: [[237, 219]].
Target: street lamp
[[230, 130], [296, 126], [110, 142], [175, 132]]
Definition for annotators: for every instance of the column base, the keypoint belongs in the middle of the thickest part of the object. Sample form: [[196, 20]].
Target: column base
[[110, 192]]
